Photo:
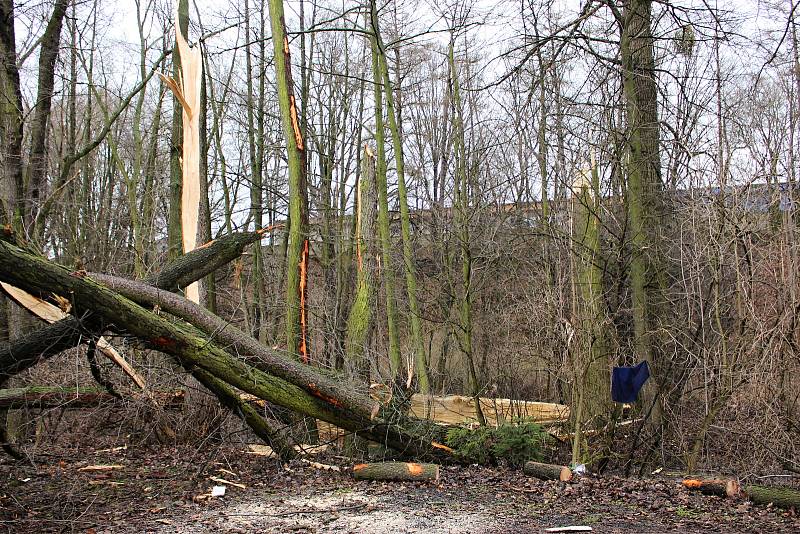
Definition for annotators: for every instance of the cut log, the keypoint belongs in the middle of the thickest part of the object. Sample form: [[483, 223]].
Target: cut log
[[400, 471], [548, 471], [76, 398], [718, 487], [778, 496], [102, 308]]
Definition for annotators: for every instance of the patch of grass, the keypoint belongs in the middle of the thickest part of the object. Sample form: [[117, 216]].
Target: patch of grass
[[591, 519], [682, 511]]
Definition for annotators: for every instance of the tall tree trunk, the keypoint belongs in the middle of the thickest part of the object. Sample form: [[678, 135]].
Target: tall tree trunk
[[417, 344], [174, 225], [645, 209], [395, 361], [297, 247], [360, 320], [37, 159], [462, 215], [12, 189], [591, 394]]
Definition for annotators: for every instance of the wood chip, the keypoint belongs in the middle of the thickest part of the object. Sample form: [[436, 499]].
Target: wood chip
[[101, 467]]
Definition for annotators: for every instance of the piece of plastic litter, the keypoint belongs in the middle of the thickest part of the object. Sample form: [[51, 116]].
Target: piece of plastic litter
[[218, 491]]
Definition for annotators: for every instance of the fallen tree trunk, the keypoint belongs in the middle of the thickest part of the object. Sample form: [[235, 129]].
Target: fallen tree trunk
[[547, 471], [778, 496], [103, 308], [24, 352], [718, 487], [781, 497], [266, 428], [67, 333], [76, 398], [334, 387], [400, 471]]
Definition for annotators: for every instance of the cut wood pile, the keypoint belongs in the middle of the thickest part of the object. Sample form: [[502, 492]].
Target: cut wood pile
[[459, 410]]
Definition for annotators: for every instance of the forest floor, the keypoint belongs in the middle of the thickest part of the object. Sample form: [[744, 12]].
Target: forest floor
[[162, 490]]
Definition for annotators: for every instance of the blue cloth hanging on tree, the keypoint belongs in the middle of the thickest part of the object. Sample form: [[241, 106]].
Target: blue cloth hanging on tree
[[627, 381]]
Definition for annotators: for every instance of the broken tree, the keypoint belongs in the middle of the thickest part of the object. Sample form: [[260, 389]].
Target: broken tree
[[102, 308]]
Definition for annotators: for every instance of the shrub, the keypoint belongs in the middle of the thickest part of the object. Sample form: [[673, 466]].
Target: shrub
[[510, 444]]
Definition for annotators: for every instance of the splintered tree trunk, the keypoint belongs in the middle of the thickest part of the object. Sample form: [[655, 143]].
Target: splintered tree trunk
[[360, 319], [174, 226], [592, 374], [399, 471]]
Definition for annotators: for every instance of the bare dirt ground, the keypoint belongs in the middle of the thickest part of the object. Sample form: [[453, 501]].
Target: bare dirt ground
[[161, 490]]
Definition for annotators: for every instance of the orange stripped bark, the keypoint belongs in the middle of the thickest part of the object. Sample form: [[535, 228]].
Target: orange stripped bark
[[303, 286], [312, 387]]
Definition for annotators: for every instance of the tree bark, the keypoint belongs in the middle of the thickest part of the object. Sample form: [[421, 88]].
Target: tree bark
[[718, 487], [12, 191], [37, 161], [297, 248], [782, 497], [174, 225]]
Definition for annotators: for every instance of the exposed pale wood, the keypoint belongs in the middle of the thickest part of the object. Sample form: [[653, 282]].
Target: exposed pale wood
[[258, 449], [93, 468], [456, 409], [548, 471], [52, 313], [401, 471], [187, 90]]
